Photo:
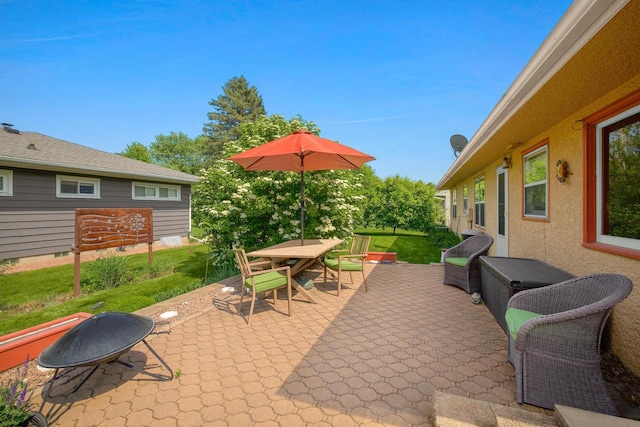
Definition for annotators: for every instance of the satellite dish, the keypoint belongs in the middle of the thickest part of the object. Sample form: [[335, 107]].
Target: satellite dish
[[458, 142]]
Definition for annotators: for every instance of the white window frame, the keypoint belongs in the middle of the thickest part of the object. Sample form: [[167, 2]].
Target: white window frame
[[6, 188], [465, 199], [79, 180], [625, 242], [156, 188], [544, 182], [454, 204], [480, 212]]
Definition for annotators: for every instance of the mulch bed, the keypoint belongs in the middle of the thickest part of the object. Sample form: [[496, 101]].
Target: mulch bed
[[623, 385]]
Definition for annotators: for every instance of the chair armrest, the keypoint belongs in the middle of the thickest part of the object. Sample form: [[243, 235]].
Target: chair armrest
[[556, 298], [257, 273], [260, 263], [338, 251], [352, 256]]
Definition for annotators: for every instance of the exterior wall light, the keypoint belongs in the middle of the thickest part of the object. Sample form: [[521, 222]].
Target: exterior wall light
[[506, 162]]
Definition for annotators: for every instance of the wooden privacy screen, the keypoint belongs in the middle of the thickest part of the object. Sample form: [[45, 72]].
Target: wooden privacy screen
[[110, 228]]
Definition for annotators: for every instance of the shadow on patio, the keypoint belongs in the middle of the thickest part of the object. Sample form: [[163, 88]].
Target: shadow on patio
[[365, 358]]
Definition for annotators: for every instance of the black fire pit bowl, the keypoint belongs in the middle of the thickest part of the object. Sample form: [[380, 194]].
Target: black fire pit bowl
[[97, 340]]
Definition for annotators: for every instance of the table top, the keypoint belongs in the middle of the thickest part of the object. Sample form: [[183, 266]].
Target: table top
[[312, 248]]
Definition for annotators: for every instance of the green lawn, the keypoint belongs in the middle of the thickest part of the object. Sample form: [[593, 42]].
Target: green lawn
[[33, 297], [411, 246]]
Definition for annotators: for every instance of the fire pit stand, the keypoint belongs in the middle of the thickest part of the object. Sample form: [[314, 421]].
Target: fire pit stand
[[100, 339]]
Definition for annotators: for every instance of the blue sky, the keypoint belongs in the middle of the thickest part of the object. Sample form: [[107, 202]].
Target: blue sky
[[394, 79]]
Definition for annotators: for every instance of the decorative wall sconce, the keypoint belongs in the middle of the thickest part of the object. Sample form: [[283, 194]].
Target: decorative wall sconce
[[506, 162], [562, 170]]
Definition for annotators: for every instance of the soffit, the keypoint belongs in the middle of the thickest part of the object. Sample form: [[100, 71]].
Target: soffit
[[604, 63]]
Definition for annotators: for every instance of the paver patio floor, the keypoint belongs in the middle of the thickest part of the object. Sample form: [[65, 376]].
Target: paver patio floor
[[365, 358]]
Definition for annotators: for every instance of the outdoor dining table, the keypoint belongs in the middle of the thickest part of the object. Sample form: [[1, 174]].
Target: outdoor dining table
[[306, 255]]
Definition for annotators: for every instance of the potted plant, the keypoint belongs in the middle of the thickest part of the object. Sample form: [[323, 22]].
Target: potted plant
[[15, 402]]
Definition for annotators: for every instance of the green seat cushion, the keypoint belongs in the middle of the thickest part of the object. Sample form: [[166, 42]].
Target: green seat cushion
[[516, 318], [267, 281], [346, 265], [459, 261]]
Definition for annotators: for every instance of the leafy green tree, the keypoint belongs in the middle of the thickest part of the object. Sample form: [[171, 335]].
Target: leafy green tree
[[622, 217], [239, 103], [373, 204], [178, 151], [137, 151], [253, 209], [399, 202]]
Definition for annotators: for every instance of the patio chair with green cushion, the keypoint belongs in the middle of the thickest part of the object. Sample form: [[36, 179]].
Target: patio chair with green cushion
[[352, 260], [462, 262], [263, 280], [554, 341]]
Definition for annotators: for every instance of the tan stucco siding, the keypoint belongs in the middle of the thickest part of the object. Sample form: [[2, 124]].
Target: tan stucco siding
[[558, 240]]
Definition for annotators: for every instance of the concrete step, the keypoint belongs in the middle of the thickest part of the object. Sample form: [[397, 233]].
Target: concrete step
[[574, 417], [450, 410]]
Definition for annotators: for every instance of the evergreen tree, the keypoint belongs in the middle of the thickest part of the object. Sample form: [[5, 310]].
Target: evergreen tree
[[239, 103]]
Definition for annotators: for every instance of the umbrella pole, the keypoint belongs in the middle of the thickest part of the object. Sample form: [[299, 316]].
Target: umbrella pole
[[302, 208]]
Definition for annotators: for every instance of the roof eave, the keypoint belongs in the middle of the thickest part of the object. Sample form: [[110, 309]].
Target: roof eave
[[577, 26], [56, 167]]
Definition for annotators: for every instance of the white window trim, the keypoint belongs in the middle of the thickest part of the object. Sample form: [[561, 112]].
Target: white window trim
[[157, 188], [7, 186], [476, 203], [625, 242], [545, 181], [454, 204], [465, 200], [79, 179]]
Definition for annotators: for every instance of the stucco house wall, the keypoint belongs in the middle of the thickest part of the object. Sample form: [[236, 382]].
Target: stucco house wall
[[551, 106]]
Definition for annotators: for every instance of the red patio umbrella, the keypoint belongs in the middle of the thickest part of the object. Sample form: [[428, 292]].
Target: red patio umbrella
[[299, 152]]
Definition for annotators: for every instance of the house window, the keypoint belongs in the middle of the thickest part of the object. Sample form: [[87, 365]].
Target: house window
[[146, 191], [536, 176], [6, 183], [478, 202], [464, 199], [618, 174], [77, 187], [454, 204]]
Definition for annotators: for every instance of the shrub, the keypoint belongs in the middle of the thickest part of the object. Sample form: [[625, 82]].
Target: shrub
[[5, 267], [442, 237], [158, 269], [107, 273], [15, 399]]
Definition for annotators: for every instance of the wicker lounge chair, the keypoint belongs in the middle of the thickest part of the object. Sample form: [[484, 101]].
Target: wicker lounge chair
[[462, 262], [556, 352]]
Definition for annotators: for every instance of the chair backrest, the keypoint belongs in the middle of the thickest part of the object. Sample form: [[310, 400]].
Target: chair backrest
[[600, 291], [360, 245], [473, 244], [243, 262]]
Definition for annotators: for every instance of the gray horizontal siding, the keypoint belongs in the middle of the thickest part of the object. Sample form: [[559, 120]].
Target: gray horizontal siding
[[36, 222]]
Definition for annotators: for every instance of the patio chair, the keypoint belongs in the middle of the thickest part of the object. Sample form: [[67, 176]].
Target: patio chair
[[352, 260], [462, 262], [263, 280], [554, 341]]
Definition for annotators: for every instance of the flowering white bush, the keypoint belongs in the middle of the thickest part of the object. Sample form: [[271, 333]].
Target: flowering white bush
[[254, 209]]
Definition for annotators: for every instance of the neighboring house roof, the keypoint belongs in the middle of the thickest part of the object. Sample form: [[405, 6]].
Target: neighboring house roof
[[32, 150], [587, 54]]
